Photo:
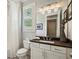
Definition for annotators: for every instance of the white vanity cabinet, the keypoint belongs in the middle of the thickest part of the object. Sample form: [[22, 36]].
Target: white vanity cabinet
[[48, 54], [58, 55], [69, 53], [58, 52], [43, 51], [37, 53]]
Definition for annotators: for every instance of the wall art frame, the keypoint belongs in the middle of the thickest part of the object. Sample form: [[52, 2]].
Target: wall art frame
[[39, 26]]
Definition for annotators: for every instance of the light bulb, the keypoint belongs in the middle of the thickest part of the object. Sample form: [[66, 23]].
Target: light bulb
[[49, 11], [40, 10], [55, 9], [43, 12]]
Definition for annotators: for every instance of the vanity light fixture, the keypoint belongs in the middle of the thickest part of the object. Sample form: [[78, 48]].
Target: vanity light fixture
[[50, 7]]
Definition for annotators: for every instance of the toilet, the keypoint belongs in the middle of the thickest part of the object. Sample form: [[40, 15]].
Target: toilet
[[24, 53]]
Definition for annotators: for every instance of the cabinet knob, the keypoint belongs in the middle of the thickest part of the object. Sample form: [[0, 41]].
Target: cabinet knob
[[57, 49], [70, 54]]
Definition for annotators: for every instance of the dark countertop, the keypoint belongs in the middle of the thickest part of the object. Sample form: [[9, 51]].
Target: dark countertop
[[57, 43]]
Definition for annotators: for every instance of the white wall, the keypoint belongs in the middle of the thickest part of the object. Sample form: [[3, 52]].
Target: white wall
[[41, 19], [70, 30]]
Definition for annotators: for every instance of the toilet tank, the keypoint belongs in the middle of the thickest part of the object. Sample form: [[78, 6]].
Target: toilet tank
[[26, 44]]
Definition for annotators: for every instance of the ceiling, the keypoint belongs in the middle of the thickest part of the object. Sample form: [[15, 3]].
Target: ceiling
[[40, 1]]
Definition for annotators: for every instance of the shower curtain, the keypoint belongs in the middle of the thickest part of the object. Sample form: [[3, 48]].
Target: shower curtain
[[13, 37]]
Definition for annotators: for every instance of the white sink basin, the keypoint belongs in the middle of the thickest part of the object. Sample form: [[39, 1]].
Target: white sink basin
[[47, 41]]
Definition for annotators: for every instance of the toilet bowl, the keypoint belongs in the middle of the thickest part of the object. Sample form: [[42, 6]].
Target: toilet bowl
[[24, 53]]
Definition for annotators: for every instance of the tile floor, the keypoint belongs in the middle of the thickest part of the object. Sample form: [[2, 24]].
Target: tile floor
[[12, 58], [28, 57]]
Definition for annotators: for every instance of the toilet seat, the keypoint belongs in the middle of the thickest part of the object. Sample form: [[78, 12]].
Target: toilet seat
[[22, 52]]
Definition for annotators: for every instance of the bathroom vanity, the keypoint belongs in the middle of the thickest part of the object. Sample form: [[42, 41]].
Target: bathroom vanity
[[50, 24], [55, 49]]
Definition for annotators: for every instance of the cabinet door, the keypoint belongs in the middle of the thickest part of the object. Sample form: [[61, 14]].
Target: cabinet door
[[59, 55], [37, 53], [49, 54], [69, 53]]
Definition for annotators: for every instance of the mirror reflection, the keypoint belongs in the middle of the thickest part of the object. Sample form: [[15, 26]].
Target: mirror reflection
[[48, 13]]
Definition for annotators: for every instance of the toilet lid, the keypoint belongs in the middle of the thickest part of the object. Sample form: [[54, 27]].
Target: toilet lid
[[22, 50]]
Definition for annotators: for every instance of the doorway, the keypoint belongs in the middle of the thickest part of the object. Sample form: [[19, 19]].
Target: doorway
[[51, 27]]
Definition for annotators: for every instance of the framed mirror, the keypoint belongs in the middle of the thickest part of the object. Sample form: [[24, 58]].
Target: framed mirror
[[70, 11]]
